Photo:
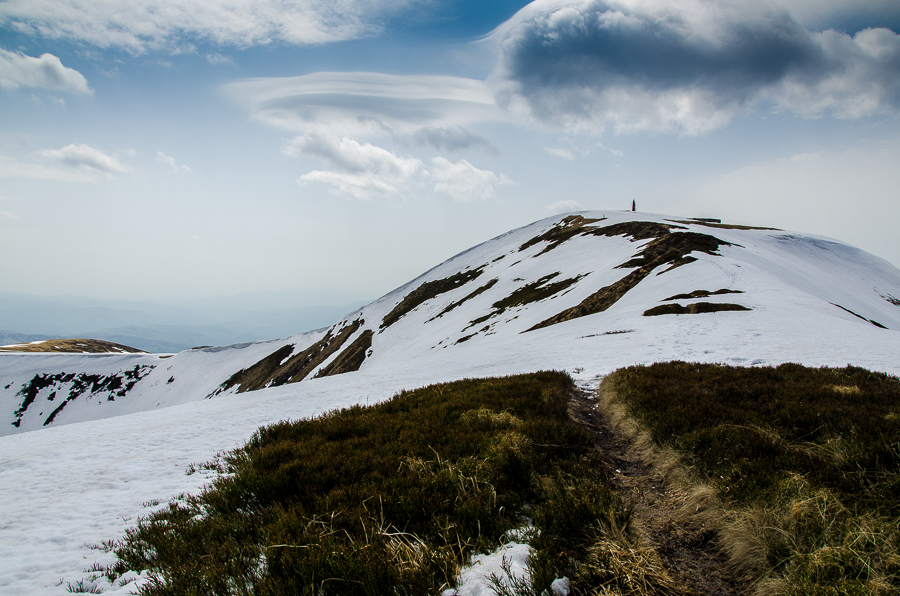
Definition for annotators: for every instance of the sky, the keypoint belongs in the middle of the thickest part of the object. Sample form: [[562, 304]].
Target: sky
[[182, 149]]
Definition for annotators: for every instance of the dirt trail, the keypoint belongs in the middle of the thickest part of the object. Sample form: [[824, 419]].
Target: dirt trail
[[686, 547]]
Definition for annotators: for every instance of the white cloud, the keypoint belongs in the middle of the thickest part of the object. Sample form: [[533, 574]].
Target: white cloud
[[44, 72], [85, 159], [463, 181], [357, 186], [360, 169], [825, 14], [359, 103], [691, 66], [217, 58], [352, 156], [563, 153], [170, 161], [141, 25], [10, 215], [11, 167], [864, 78], [564, 206]]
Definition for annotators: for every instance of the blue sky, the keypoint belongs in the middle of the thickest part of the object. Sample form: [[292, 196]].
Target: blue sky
[[162, 149]]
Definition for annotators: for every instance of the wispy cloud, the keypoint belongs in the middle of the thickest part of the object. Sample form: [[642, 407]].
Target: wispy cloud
[[688, 67], [10, 215], [86, 158], [44, 72], [563, 153], [217, 58], [170, 161], [11, 167], [72, 163], [141, 25]]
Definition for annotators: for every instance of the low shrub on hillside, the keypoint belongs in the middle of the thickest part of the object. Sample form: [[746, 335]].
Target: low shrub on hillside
[[806, 462], [389, 499]]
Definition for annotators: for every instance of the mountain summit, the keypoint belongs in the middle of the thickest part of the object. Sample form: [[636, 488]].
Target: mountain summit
[[586, 292]]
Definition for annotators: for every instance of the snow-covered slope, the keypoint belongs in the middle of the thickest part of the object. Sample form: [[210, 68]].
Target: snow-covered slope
[[134, 423], [568, 291]]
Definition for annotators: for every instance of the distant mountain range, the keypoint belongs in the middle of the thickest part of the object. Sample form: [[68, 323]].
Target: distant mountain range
[[169, 327]]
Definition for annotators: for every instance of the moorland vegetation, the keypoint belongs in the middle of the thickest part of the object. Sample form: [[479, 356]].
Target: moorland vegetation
[[796, 471]]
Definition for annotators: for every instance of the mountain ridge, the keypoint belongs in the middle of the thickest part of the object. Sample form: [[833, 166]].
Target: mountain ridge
[[569, 291]]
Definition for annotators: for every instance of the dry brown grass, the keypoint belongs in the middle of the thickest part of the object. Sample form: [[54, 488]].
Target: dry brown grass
[[280, 368], [701, 294], [427, 291], [567, 228], [351, 358], [804, 501], [692, 309]]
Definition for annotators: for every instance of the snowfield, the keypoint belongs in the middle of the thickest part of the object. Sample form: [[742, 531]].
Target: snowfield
[[116, 447]]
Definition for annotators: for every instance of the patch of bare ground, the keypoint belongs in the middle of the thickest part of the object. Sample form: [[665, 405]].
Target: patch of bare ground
[[721, 226], [667, 248], [660, 507], [351, 358], [468, 297], [567, 228], [701, 294], [692, 309], [533, 292], [874, 322], [427, 291], [280, 367]]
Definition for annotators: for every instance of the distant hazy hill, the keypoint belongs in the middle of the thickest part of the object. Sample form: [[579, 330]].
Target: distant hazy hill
[[172, 327], [70, 346]]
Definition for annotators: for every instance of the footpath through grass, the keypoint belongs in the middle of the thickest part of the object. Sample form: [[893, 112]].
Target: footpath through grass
[[392, 499], [805, 464]]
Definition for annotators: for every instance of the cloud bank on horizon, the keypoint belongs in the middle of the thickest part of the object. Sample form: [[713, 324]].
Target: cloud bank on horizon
[[480, 116]]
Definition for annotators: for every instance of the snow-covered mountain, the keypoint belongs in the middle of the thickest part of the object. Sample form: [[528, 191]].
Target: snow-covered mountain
[[116, 432], [591, 291]]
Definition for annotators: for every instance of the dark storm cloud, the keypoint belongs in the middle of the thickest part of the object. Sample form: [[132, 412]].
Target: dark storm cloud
[[638, 65]]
